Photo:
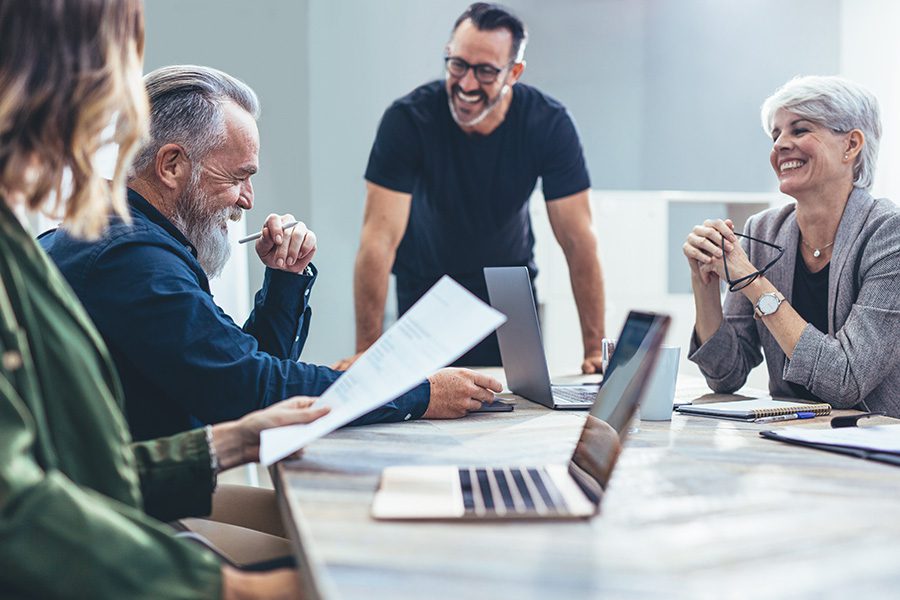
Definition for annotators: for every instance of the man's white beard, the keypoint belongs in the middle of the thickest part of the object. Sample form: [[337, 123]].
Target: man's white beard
[[203, 228]]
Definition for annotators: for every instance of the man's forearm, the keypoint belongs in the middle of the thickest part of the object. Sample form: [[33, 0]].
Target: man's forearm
[[278, 312], [370, 283], [586, 277]]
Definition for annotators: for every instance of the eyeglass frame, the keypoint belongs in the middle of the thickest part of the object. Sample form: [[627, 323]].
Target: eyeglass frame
[[475, 68], [735, 286]]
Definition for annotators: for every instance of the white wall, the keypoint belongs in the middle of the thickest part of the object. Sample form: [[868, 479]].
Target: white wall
[[870, 54], [708, 66]]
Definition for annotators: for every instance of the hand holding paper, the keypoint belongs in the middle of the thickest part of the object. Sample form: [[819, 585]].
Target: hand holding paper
[[440, 327]]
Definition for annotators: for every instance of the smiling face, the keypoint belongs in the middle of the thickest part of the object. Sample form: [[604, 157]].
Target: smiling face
[[226, 170], [809, 157], [471, 100], [219, 190]]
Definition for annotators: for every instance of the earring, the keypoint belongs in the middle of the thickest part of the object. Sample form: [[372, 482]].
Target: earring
[[846, 156]]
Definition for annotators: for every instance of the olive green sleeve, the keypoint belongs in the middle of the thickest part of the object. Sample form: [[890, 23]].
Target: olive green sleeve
[[176, 478], [60, 540]]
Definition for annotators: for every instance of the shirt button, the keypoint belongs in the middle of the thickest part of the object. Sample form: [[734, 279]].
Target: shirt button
[[12, 361], [306, 293], [407, 417], [296, 339]]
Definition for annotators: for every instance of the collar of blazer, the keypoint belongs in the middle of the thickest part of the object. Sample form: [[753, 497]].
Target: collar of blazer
[[856, 212]]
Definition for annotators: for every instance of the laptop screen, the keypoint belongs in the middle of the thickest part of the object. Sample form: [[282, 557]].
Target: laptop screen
[[623, 386]]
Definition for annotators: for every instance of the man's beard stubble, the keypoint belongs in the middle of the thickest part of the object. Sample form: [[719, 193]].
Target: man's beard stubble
[[204, 228], [489, 105]]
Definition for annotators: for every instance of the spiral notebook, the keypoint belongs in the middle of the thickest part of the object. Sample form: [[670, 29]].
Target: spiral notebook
[[749, 410]]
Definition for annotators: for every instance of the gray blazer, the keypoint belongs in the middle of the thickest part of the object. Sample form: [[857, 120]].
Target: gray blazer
[[857, 362]]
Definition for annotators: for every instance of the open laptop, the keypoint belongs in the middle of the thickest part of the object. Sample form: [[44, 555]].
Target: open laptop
[[521, 346], [538, 492]]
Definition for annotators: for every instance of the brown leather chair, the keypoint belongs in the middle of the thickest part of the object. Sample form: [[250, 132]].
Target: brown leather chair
[[244, 529]]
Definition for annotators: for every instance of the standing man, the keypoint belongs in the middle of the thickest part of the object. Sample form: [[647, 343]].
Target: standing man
[[449, 177]]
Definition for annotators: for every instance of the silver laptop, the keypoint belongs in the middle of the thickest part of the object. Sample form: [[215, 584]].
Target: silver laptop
[[538, 492], [521, 346]]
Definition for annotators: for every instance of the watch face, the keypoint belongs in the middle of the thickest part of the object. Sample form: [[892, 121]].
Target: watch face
[[767, 304]]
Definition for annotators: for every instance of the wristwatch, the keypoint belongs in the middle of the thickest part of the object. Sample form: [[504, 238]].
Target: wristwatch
[[767, 304]]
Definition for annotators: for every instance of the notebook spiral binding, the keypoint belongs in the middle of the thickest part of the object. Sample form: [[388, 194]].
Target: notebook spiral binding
[[819, 409]]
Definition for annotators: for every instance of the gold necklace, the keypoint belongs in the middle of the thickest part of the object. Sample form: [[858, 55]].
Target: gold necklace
[[817, 252]]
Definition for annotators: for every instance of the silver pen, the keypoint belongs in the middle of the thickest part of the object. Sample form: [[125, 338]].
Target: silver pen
[[258, 235]]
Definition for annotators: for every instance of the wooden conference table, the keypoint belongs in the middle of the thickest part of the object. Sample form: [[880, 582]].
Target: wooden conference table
[[696, 508]]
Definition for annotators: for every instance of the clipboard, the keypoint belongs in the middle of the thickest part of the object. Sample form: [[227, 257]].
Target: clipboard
[[879, 443]]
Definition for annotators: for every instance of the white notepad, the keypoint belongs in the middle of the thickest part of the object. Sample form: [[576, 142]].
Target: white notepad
[[749, 410]]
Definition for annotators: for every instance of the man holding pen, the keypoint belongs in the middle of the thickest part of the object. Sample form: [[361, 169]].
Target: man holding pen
[[181, 359]]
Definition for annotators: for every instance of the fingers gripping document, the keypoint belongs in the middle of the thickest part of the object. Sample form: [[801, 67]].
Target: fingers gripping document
[[439, 328]]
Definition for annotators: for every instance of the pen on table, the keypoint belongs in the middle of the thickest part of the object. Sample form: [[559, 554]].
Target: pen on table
[[790, 417], [258, 235]]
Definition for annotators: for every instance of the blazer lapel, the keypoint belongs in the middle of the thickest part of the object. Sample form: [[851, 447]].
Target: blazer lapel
[[781, 275], [856, 211]]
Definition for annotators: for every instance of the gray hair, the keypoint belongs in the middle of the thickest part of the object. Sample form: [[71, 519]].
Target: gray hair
[[838, 104], [186, 109]]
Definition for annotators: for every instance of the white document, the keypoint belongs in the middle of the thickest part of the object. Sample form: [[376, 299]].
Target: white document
[[879, 438], [437, 330]]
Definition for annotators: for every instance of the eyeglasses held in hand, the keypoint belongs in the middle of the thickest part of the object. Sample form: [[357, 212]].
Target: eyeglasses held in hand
[[484, 72], [739, 284]]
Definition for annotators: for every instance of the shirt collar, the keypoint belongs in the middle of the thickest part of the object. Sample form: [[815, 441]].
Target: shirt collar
[[140, 205]]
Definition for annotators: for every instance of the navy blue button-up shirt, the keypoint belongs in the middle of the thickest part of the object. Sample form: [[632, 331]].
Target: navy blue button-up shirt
[[181, 359]]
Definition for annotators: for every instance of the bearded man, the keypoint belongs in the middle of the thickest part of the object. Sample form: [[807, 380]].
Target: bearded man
[[182, 361], [449, 177]]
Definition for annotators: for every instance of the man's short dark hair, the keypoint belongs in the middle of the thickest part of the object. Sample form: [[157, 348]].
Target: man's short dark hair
[[486, 16]]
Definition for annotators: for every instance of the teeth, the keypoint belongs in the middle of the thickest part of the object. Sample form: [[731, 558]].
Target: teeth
[[791, 164], [468, 98]]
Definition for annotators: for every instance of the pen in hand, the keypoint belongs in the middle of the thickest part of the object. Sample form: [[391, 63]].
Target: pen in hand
[[256, 236], [790, 417]]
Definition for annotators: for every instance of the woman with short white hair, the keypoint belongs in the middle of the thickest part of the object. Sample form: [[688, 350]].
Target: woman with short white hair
[[826, 315]]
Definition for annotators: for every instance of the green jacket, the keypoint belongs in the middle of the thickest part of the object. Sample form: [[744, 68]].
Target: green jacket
[[75, 492]]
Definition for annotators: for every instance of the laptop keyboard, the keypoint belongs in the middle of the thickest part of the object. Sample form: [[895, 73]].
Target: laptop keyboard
[[574, 395], [510, 491]]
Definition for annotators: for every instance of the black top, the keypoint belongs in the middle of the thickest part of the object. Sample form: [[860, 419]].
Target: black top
[[470, 192], [810, 300]]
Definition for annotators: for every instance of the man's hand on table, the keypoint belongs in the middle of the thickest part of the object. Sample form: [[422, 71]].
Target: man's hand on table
[[593, 363], [456, 392]]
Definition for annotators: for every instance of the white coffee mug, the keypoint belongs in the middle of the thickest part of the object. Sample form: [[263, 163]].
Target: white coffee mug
[[660, 396]]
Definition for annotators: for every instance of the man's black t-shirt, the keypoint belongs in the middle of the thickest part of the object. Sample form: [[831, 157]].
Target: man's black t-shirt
[[470, 192], [810, 299]]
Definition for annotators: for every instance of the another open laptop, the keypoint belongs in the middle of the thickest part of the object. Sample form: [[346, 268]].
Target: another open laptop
[[521, 346], [543, 491]]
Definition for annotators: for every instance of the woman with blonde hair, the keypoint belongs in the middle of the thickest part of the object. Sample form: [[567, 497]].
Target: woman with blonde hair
[[75, 493], [812, 285]]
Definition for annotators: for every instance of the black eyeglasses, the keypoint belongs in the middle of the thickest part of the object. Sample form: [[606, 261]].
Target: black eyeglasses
[[484, 72], [739, 284]]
